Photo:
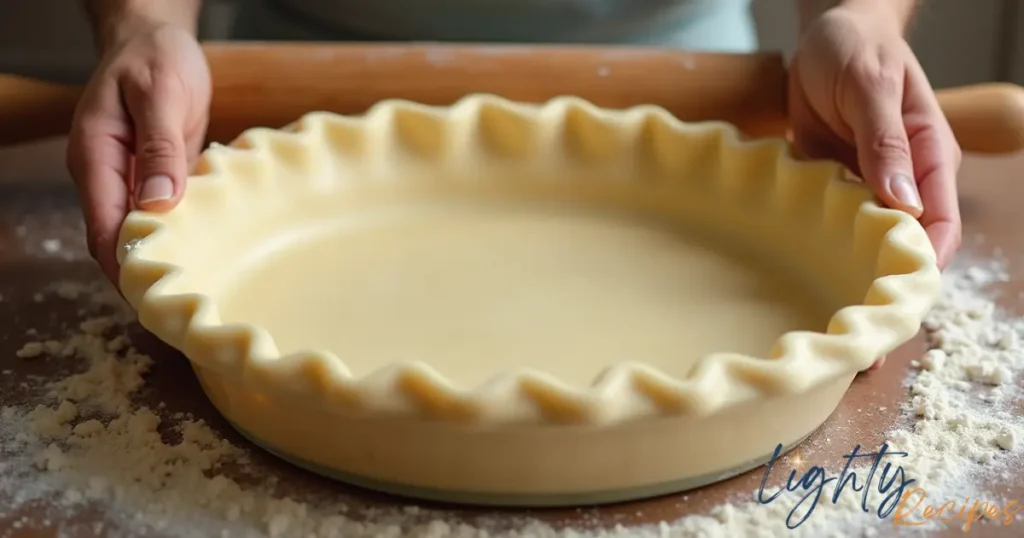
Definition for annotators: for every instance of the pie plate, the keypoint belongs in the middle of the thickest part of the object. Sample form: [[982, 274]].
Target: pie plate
[[515, 304]]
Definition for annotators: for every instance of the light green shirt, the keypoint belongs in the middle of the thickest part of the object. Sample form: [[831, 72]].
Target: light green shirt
[[720, 25]]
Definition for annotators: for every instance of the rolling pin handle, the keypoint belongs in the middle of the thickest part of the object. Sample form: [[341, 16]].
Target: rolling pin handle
[[745, 89]]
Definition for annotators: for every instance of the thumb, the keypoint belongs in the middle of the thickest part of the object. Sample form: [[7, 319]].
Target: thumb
[[883, 149], [161, 156]]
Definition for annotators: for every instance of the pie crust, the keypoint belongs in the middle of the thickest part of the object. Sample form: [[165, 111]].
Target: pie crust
[[520, 435]]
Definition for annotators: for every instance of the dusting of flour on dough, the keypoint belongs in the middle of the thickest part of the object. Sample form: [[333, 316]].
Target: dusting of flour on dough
[[86, 444]]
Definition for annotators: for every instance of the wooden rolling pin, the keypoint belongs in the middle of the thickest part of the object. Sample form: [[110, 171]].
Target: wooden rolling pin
[[272, 85]]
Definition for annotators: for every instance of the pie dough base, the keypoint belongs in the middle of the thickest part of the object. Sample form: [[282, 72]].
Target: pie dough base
[[556, 465], [553, 500], [582, 208], [596, 259], [480, 290]]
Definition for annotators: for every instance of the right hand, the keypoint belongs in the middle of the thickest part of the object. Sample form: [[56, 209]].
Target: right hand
[[137, 130]]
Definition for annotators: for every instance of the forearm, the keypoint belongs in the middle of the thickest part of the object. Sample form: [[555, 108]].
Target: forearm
[[899, 11], [113, 20]]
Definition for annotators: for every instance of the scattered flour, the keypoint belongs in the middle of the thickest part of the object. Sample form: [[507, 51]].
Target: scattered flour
[[87, 445], [52, 246]]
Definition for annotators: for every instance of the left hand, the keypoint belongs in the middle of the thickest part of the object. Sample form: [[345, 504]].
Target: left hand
[[858, 95]]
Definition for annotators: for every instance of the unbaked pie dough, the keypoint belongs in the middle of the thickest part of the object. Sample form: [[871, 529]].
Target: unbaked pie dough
[[475, 291], [505, 303]]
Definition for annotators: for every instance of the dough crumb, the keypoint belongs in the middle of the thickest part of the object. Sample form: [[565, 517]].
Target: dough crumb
[[30, 350]]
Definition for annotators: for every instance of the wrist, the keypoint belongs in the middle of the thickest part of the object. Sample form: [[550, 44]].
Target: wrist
[[898, 13], [895, 13], [116, 21]]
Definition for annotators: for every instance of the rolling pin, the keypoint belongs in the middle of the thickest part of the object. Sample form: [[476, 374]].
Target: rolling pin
[[274, 84]]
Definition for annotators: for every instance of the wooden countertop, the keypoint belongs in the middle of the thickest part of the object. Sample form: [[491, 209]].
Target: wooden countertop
[[35, 192]]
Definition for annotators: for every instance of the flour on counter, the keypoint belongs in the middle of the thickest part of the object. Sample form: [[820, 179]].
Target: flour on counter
[[52, 246], [87, 444]]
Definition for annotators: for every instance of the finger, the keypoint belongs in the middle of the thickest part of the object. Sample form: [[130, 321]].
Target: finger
[[195, 139], [97, 157], [194, 143], [941, 218], [158, 112], [872, 106], [937, 158], [874, 110]]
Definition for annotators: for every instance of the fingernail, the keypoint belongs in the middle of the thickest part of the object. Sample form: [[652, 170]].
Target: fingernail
[[903, 188], [156, 189]]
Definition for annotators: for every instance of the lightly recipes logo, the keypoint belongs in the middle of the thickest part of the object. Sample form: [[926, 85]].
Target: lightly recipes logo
[[892, 483], [890, 480]]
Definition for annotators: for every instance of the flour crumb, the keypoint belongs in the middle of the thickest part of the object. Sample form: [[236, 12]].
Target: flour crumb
[[1006, 439], [52, 246], [933, 359]]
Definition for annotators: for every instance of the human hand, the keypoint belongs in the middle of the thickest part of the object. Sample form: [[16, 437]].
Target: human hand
[[138, 127], [858, 95]]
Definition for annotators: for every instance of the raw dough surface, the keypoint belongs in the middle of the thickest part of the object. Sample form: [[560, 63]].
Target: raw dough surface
[[475, 291]]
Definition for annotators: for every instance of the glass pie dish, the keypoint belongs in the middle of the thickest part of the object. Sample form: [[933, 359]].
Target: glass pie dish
[[516, 304]]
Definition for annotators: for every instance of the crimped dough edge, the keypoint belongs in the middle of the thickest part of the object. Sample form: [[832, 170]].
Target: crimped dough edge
[[907, 284]]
